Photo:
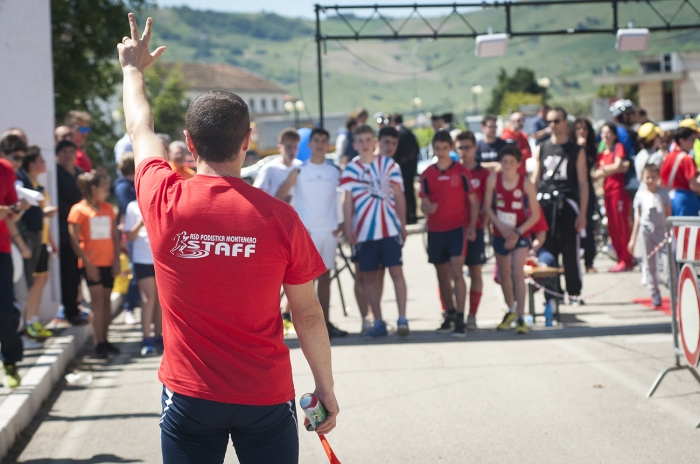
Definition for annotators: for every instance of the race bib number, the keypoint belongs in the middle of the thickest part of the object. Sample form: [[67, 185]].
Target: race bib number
[[100, 228], [509, 219]]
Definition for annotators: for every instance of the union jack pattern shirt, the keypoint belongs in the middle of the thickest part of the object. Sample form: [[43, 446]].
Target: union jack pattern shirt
[[370, 185]]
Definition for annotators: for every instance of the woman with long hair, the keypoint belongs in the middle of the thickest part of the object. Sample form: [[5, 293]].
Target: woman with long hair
[[584, 135], [612, 168]]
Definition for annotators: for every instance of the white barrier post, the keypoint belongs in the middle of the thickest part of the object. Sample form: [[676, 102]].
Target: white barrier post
[[671, 223]]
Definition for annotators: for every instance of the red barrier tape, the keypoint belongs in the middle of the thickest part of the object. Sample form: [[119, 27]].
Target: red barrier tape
[[329, 451]]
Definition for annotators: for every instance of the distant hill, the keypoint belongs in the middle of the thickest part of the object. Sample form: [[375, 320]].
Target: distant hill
[[383, 80]]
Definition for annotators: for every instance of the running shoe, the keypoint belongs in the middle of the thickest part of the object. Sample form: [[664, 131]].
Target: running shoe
[[448, 324], [521, 327], [656, 300], [459, 331], [366, 326], [111, 349], [621, 267], [288, 326], [334, 332], [402, 327], [148, 347], [576, 301], [38, 331], [60, 315], [130, 318], [12, 379], [158, 342], [101, 351], [378, 330], [471, 322], [508, 319]]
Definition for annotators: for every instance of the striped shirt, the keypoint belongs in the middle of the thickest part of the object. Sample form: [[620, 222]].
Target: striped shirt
[[371, 187]]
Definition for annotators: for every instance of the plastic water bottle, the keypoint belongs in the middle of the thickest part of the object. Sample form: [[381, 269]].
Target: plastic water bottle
[[548, 317]]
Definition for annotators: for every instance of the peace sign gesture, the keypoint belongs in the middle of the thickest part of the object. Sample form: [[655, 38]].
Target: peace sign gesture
[[133, 52]]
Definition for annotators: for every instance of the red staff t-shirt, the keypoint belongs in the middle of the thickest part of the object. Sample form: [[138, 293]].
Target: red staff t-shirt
[[8, 196], [222, 249], [449, 189]]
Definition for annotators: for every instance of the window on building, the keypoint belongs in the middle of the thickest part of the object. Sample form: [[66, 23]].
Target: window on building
[[668, 100], [263, 105], [251, 104], [274, 106]]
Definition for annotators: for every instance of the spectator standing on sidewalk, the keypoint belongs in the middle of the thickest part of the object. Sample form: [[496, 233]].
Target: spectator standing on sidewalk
[[651, 208], [561, 177], [344, 151], [79, 122], [445, 191], [680, 175], [315, 185], [514, 133], [407, 158], [488, 148], [226, 370], [539, 129], [68, 195], [177, 153], [583, 133]]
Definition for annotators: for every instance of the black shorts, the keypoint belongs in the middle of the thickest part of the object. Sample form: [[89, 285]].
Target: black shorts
[[42, 263], [499, 245], [476, 250], [443, 246], [376, 254], [194, 430], [144, 271], [106, 279]]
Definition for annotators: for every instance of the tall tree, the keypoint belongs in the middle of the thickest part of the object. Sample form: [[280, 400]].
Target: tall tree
[[523, 81], [166, 92], [85, 34]]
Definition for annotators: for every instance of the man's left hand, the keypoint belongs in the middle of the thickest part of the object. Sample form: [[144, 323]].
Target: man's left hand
[[133, 52]]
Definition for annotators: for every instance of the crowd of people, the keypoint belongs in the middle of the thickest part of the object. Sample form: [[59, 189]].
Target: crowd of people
[[476, 187]]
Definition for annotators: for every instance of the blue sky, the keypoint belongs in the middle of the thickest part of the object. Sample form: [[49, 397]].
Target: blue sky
[[294, 8]]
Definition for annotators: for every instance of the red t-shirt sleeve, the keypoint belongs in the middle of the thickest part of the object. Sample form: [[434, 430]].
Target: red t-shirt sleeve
[[619, 150], [156, 187], [305, 264], [687, 168], [7, 180]]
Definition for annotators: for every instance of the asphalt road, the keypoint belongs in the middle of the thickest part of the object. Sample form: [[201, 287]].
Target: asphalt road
[[574, 393]]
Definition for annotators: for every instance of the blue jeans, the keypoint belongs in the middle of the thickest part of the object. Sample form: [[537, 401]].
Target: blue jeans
[[194, 430]]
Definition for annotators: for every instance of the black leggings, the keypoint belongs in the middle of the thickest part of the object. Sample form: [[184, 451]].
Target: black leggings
[[10, 340], [194, 430]]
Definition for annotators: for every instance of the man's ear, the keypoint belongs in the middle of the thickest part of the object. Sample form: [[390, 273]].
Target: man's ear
[[245, 146], [190, 145]]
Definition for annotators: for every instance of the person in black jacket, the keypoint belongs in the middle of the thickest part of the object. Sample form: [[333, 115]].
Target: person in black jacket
[[407, 158]]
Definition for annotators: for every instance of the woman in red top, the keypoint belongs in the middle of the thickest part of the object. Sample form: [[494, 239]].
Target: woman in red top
[[508, 194], [612, 168]]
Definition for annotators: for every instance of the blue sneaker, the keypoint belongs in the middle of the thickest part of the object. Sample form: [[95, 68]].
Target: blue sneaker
[[402, 327], [148, 348], [377, 330]]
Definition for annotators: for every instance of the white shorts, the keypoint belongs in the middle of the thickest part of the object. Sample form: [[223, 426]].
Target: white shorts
[[326, 244]]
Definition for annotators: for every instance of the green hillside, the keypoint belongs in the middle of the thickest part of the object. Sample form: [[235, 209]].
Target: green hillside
[[383, 80]]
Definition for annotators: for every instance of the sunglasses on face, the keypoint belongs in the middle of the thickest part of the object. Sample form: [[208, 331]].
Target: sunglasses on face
[[491, 127], [553, 121], [84, 130]]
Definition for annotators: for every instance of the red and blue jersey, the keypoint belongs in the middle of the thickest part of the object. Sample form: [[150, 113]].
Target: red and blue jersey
[[510, 205]]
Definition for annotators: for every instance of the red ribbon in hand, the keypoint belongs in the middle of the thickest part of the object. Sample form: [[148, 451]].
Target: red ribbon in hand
[[329, 451]]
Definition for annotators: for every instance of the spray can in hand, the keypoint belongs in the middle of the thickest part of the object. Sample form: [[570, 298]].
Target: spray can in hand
[[313, 409]]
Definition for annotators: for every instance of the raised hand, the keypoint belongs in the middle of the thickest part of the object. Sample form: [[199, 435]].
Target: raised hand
[[133, 52]]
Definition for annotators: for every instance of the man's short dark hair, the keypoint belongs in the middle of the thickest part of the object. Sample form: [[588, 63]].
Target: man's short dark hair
[[350, 122], [466, 135], [12, 143], [65, 143], [487, 118], [33, 153], [510, 150], [397, 118], [218, 122], [448, 118], [388, 131], [362, 129], [319, 131], [127, 165], [681, 133], [561, 111], [442, 136]]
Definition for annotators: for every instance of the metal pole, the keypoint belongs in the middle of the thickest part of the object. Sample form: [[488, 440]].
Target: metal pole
[[673, 283], [319, 66]]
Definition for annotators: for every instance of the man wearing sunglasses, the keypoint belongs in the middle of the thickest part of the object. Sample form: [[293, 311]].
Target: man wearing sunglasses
[[561, 177], [79, 122]]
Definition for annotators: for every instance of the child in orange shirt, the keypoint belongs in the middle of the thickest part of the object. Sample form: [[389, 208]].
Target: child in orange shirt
[[95, 240]]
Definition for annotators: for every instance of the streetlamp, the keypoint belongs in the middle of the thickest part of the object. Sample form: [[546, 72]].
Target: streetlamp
[[295, 106], [476, 91], [417, 102], [544, 82]]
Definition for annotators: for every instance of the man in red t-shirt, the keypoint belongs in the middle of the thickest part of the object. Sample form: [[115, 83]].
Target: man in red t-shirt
[[444, 192], [10, 341], [221, 251], [514, 134], [679, 174]]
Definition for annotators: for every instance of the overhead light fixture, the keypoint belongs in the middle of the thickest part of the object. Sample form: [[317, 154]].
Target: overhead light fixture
[[491, 45], [632, 39]]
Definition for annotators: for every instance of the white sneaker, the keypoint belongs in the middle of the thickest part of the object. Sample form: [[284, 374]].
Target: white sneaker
[[29, 344], [130, 318], [366, 325], [471, 322]]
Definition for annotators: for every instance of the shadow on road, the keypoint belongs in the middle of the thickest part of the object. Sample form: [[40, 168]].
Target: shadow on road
[[490, 335], [96, 459]]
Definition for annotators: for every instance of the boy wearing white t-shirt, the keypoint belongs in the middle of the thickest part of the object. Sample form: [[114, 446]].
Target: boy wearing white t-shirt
[[314, 186]]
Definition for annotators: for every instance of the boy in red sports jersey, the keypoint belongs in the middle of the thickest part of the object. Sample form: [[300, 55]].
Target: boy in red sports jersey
[[444, 191], [465, 144], [508, 202]]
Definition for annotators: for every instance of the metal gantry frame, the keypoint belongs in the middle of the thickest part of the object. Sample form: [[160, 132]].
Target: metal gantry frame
[[670, 23]]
